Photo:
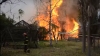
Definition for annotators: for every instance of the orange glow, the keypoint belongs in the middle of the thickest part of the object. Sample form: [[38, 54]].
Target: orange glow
[[71, 26], [55, 5]]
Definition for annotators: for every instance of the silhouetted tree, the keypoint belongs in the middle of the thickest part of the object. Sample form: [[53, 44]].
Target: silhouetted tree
[[4, 23], [42, 33], [21, 12]]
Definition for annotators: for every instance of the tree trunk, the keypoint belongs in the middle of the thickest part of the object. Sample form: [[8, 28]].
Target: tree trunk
[[83, 27], [88, 29], [50, 34], [84, 37], [89, 44], [0, 46]]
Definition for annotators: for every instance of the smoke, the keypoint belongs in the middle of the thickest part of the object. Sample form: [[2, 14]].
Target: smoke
[[68, 12], [68, 8]]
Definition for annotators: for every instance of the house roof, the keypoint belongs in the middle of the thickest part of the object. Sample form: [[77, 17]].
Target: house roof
[[22, 23]]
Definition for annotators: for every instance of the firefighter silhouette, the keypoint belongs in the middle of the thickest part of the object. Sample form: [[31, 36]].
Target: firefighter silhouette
[[26, 40]]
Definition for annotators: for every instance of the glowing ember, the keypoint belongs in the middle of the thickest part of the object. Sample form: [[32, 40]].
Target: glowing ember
[[70, 26]]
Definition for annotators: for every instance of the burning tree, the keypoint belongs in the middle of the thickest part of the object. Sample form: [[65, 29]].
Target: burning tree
[[61, 11]]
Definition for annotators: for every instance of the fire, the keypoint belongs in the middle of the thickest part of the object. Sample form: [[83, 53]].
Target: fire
[[55, 5], [71, 26]]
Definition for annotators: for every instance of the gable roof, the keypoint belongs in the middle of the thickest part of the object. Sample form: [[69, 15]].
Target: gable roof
[[22, 23]]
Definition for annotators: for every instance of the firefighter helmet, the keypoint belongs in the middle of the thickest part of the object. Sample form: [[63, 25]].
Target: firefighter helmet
[[24, 34]]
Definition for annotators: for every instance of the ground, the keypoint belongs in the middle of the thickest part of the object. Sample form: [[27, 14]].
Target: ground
[[62, 48]]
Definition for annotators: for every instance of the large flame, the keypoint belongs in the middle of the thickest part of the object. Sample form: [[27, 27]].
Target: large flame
[[70, 26]]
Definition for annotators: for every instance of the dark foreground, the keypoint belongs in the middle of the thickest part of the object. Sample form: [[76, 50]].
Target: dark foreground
[[62, 48]]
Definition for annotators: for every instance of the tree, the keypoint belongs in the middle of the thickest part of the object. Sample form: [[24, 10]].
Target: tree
[[83, 20], [89, 11], [3, 1], [48, 12], [42, 33], [4, 23], [21, 12]]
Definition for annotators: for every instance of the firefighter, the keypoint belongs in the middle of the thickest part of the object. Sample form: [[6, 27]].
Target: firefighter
[[26, 42]]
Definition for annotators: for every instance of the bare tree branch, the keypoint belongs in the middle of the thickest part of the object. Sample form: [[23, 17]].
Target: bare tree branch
[[55, 5]]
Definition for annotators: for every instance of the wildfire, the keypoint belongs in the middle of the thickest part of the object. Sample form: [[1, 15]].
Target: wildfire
[[71, 26]]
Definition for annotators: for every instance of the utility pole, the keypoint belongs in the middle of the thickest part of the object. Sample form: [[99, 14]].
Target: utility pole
[[50, 28]]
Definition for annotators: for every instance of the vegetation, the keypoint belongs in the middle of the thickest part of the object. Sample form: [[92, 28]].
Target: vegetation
[[62, 48], [42, 33], [5, 22], [89, 11]]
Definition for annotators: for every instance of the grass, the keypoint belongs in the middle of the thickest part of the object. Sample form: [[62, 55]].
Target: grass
[[61, 48]]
